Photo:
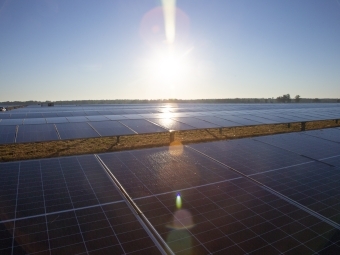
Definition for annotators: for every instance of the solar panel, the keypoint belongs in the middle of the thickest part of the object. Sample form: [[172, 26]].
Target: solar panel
[[36, 133], [96, 118], [5, 115], [241, 121], [111, 128], [257, 118], [7, 134], [170, 124], [197, 123], [34, 115], [34, 121], [115, 117], [314, 185], [218, 121], [11, 122], [201, 207], [50, 114], [249, 156], [66, 206], [18, 115], [64, 114], [75, 130], [57, 120], [331, 134], [143, 126], [77, 119], [309, 146]]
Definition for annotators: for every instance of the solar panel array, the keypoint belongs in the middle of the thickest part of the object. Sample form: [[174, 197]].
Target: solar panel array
[[247, 196], [114, 120]]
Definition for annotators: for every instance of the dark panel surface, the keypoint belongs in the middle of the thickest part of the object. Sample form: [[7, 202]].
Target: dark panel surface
[[11, 122], [249, 156], [219, 121], [57, 120], [331, 134], [77, 119], [75, 130], [7, 134], [36, 133], [97, 118], [143, 126], [242, 121], [111, 128], [309, 146], [197, 123], [314, 185], [34, 121]]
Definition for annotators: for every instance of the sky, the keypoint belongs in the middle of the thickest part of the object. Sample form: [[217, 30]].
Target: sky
[[126, 49]]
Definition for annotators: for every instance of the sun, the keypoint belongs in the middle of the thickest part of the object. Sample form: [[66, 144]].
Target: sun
[[167, 68]]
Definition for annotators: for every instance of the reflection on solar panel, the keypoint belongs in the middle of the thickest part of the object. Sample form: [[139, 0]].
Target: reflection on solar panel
[[36, 133], [66, 206], [75, 130], [171, 124], [197, 123], [142, 126], [115, 117], [7, 134], [111, 128], [35, 121], [201, 207], [309, 146]]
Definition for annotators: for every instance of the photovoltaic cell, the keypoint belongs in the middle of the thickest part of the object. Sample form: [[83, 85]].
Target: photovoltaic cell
[[77, 119], [7, 134], [331, 134], [257, 118], [50, 115], [34, 115], [75, 130], [142, 126], [5, 115], [171, 124], [115, 117], [242, 121], [197, 123], [57, 120], [34, 121], [314, 185], [44, 210], [218, 121], [249, 156], [11, 122], [201, 207], [96, 118], [18, 115], [111, 128], [36, 133], [309, 146], [64, 114]]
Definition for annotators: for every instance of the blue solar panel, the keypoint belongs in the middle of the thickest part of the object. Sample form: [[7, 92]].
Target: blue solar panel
[[75, 130], [96, 118], [142, 126], [241, 121], [57, 120], [111, 128], [34, 115], [197, 123], [171, 124], [7, 134], [36, 133], [218, 121], [77, 119], [34, 121], [66, 206], [11, 122], [331, 134]]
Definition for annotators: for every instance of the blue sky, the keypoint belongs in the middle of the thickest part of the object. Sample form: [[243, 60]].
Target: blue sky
[[72, 49]]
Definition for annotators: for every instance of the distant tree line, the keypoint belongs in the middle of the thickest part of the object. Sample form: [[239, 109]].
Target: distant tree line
[[281, 99]]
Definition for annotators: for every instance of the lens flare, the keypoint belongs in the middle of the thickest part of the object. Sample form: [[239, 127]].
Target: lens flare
[[178, 201], [169, 13]]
